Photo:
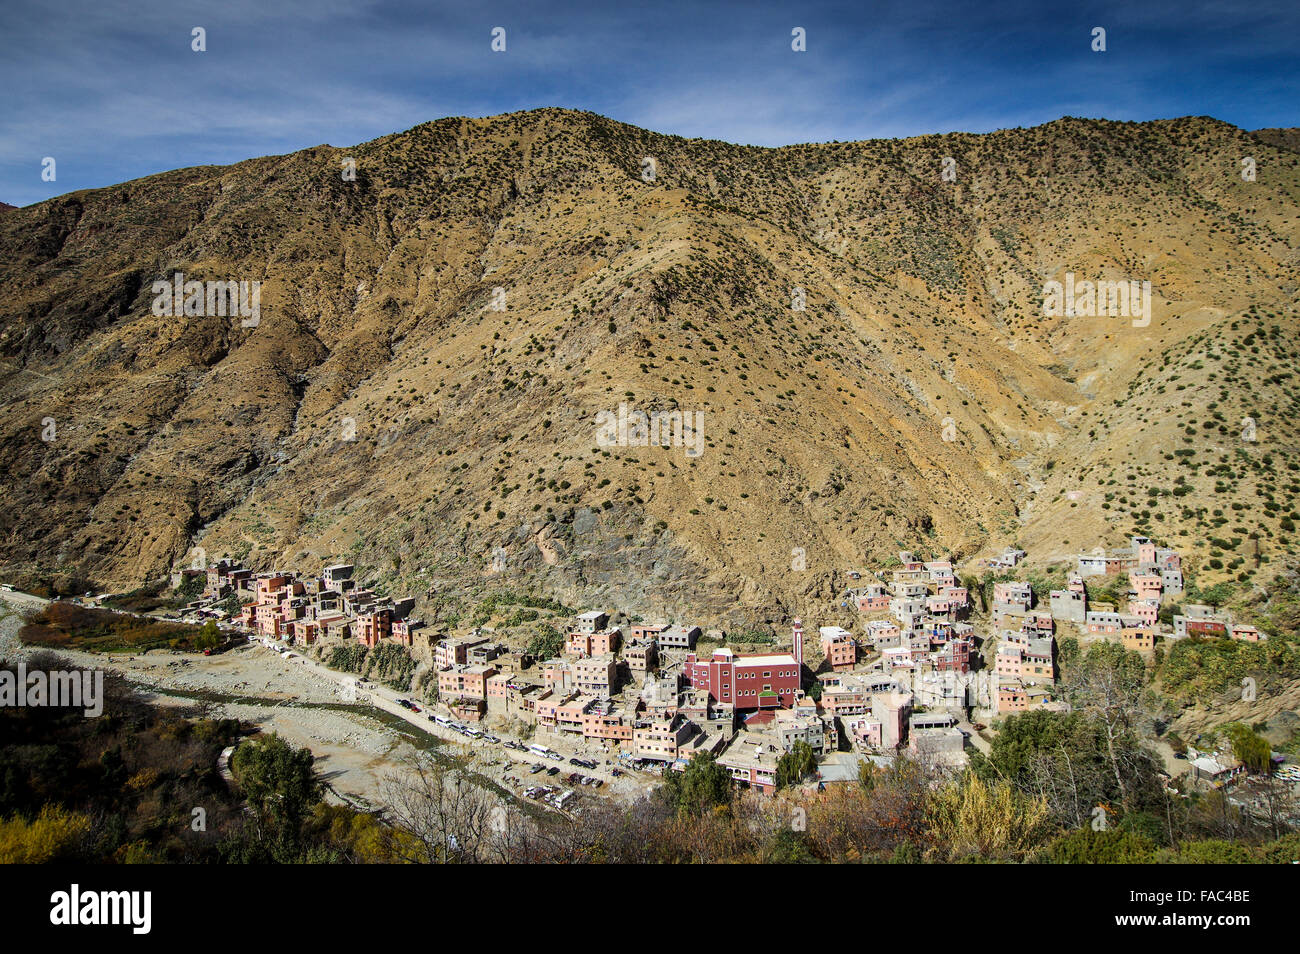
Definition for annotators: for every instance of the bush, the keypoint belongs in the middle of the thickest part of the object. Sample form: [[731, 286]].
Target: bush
[[1087, 847], [986, 820], [53, 835], [348, 658], [547, 642], [392, 665], [1215, 852]]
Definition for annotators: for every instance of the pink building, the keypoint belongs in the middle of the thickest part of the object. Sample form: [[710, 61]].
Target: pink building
[[606, 724], [1146, 585], [844, 701], [454, 651], [465, 682], [1145, 610], [883, 633], [595, 675], [582, 644], [839, 647], [369, 628], [872, 598], [1013, 593], [661, 738], [646, 631], [956, 595]]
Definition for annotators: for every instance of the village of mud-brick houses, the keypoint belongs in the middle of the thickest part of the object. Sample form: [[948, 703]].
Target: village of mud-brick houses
[[656, 694]]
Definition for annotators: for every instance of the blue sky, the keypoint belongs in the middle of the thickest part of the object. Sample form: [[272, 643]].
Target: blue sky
[[112, 90]]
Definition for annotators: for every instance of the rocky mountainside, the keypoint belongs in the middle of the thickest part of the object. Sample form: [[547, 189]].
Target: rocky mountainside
[[436, 338]]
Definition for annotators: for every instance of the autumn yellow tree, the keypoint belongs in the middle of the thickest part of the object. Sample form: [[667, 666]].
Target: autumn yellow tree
[[971, 817], [52, 834]]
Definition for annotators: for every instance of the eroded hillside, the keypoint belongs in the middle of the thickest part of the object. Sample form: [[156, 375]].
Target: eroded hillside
[[392, 407]]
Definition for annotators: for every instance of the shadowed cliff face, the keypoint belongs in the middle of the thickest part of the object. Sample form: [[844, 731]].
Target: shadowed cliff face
[[858, 337]]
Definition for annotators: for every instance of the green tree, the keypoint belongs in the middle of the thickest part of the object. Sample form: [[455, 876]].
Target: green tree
[[1071, 759], [796, 765], [280, 785], [1250, 748], [546, 642], [701, 787], [209, 636]]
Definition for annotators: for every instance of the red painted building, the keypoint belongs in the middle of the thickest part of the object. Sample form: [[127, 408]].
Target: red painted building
[[747, 682], [955, 657]]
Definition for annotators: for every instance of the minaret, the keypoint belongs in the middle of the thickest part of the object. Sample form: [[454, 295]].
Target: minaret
[[798, 641]]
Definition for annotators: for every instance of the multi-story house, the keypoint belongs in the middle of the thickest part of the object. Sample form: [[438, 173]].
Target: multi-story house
[[375, 624], [1071, 603], [464, 682], [335, 577], [883, 633], [598, 643], [1199, 620], [790, 727], [870, 598], [954, 657], [839, 647], [1148, 611], [1012, 595], [660, 738], [454, 651], [679, 637], [595, 675], [747, 682], [751, 762], [591, 622]]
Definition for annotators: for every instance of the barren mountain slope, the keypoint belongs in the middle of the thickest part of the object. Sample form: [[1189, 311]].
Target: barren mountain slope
[[382, 410]]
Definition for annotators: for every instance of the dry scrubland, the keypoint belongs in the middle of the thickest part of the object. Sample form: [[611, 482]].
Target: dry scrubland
[[474, 428]]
